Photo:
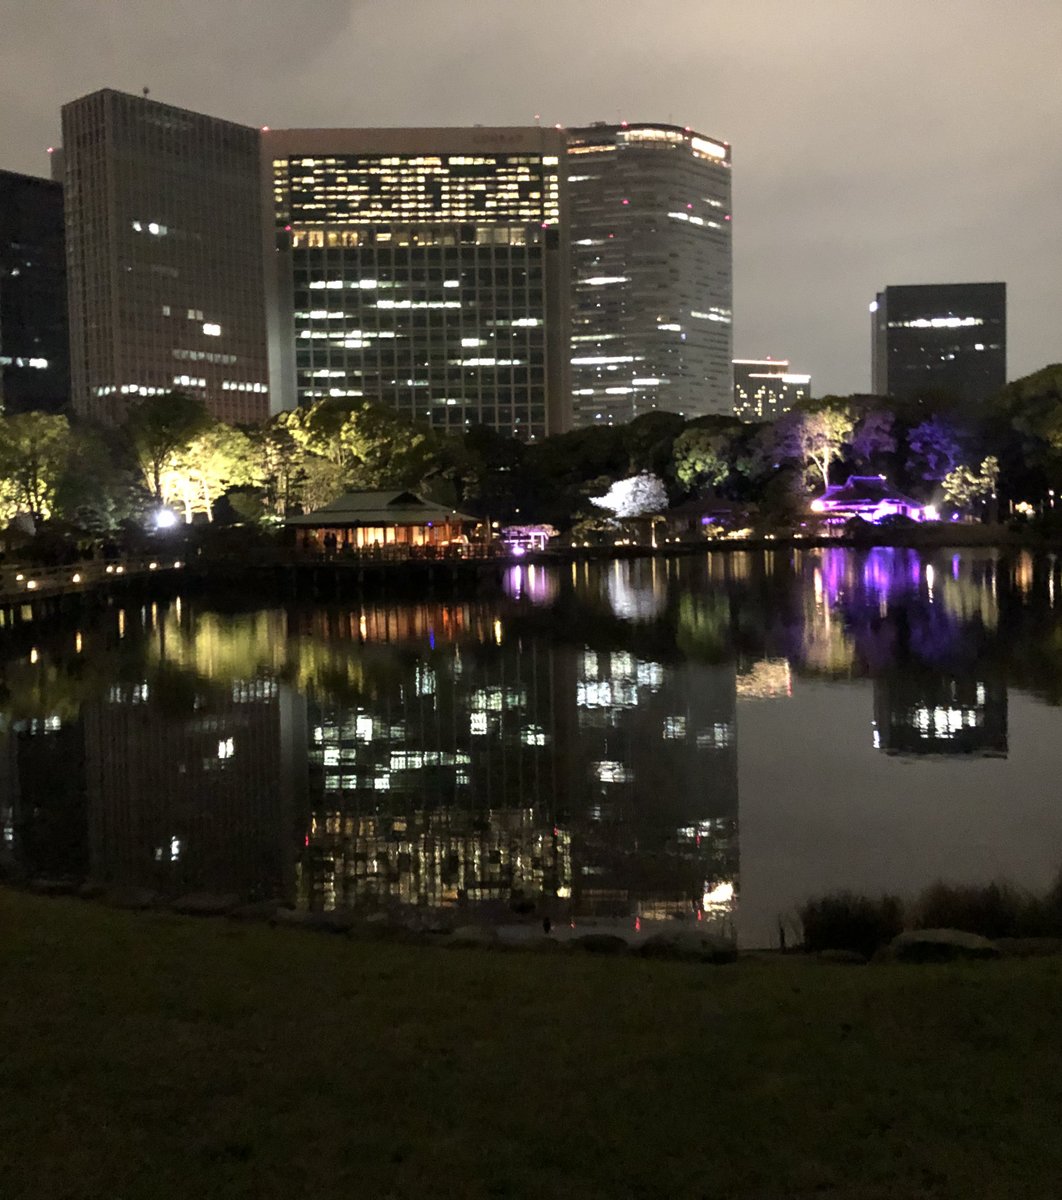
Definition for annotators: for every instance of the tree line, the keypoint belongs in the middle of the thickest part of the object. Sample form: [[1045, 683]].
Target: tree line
[[169, 453]]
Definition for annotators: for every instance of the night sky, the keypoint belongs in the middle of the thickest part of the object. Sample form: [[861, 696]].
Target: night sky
[[903, 141]]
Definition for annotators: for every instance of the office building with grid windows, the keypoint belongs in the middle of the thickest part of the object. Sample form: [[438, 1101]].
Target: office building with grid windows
[[163, 228], [34, 353], [424, 269], [652, 272], [942, 336], [764, 388]]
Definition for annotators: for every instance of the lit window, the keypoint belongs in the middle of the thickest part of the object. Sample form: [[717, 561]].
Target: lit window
[[211, 329]]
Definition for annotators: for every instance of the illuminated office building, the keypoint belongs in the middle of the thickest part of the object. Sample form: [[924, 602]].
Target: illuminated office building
[[425, 269], [764, 388], [34, 349], [949, 336], [163, 232], [652, 272]]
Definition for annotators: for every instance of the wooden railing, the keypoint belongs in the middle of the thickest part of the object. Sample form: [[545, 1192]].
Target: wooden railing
[[25, 583]]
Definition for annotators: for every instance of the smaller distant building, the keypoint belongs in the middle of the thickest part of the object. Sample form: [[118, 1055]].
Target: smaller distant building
[[946, 336], [379, 521], [764, 388], [869, 497]]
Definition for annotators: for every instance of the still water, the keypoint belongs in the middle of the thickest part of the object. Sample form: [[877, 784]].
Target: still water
[[711, 738]]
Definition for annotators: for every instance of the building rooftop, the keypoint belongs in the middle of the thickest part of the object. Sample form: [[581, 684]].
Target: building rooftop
[[380, 508]]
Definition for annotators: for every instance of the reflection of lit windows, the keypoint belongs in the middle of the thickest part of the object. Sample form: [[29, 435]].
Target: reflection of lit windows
[[226, 748], [674, 728], [425, 681], [382, 783], [613, 772], [477, 723], [650, 675], [716, 737], [363, 728], [622, 664], [533, 735], [331, 756], [589, 664]]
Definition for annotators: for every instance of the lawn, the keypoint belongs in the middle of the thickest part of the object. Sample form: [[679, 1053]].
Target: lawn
[[153, 1056]]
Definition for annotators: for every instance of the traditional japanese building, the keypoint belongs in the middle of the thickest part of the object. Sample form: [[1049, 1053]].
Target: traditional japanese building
[[375, 520]]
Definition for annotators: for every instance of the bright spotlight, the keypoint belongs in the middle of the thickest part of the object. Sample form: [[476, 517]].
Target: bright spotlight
[[165, 519]]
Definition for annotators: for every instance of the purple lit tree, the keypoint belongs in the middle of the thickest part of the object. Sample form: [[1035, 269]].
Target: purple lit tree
[[933, 449]]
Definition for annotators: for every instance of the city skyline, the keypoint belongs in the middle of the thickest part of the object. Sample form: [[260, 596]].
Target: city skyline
[[834, 191]]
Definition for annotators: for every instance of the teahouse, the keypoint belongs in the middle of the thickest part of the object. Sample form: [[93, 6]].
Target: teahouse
[[377, 520], [869, 497]]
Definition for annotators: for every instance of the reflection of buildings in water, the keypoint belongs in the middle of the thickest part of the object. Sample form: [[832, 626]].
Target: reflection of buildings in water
[[636, 588], [195, 789], [922, 713], [42, 797], [439, 784], [652, 750], [470, 774]]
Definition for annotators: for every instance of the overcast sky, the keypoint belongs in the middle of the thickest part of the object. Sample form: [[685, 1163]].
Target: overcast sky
[[903, 141]]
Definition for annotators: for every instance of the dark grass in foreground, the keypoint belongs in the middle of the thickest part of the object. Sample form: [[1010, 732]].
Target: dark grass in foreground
[[153, 1056]]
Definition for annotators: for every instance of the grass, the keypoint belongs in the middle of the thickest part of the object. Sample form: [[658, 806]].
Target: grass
[[155, 1057]]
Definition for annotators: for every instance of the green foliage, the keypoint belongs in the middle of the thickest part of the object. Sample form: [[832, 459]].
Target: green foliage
[[35, 449], [161, 427], [698, 459], [963, 487]]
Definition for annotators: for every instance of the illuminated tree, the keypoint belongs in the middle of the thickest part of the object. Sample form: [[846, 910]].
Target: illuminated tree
[[34, 451], [963, 488], [697, 459], [814, 437], [933, 449], [634, 497], [873, 435], [193, 478], [160, 428]]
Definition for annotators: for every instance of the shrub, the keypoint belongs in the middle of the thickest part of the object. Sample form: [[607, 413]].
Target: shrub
[[845, 921], [993, 910]]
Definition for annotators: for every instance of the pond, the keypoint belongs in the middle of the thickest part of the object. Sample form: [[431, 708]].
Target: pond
[[708, 738]]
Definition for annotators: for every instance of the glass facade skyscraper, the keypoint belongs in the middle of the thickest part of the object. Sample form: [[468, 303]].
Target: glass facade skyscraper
[[163, 224], [652, 268], [764, 388], [424, 269], [34, 352], [949, 336]]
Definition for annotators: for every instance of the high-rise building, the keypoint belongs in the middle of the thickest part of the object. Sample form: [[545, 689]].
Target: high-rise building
[[651, 247], [34, 349], [163, 224], [764, 388], [950, 336], [424, 269]]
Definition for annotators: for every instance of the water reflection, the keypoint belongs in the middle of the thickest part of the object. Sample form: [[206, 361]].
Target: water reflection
[[571, 743]]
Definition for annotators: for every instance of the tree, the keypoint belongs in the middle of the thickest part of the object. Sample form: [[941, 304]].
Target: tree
[[34, 451], [873, 435], [95, 492], [160, 427], [963, 488], [697, 459], [633, 497], [814, 437], [933, 449], [649, 438], [194, 477]]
